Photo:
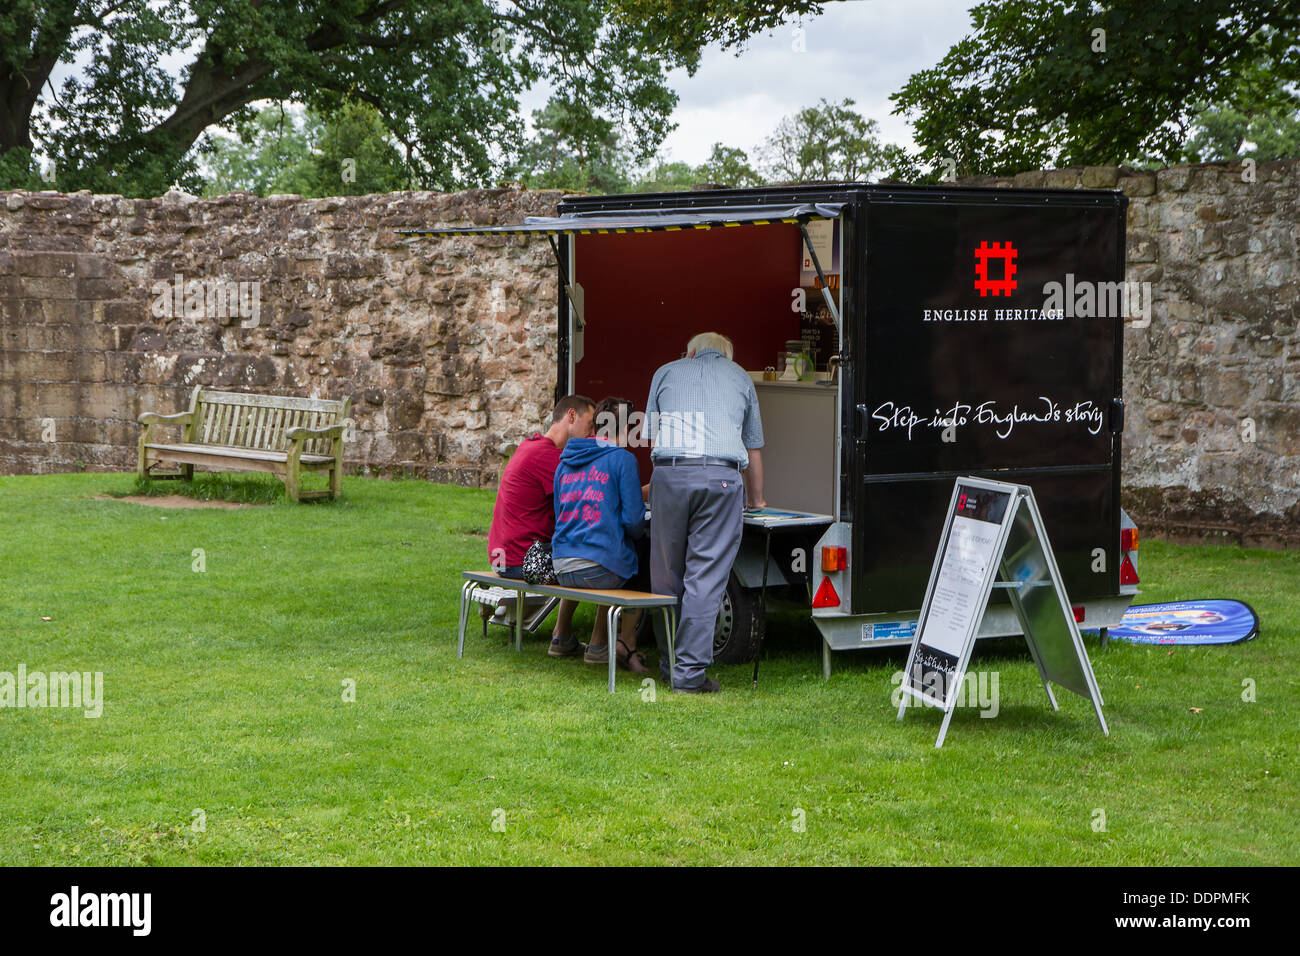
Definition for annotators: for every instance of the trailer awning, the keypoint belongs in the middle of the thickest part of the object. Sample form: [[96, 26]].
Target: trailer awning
[[649, 220]]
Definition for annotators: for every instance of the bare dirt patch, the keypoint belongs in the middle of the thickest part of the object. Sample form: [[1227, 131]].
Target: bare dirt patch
[[177, 501]]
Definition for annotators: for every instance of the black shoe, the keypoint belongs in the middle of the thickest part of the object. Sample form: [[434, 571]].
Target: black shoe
[[710, 686]]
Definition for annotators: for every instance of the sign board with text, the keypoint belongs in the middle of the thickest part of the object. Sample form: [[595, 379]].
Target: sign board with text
[[993, 538]]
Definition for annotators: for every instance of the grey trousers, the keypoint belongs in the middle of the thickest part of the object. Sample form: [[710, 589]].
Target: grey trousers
[[695, 525]]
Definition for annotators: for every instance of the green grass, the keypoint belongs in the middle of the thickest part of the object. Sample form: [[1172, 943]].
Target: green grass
[[259, 489], [224, 693]]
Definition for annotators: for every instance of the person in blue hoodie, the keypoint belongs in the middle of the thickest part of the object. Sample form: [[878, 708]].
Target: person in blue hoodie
[[599, 515]]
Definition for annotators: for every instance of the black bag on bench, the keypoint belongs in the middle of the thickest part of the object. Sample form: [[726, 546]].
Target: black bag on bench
[[537, 566]]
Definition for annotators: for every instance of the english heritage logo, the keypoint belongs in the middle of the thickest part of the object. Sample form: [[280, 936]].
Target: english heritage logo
[[1003, 286]]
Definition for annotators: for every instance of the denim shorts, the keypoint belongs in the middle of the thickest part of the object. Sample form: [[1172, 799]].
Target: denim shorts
[[596, 577]]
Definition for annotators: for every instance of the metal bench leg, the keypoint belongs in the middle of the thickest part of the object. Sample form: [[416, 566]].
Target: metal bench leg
[[466, 589], [519, 620], [612, 618], [670, 628]]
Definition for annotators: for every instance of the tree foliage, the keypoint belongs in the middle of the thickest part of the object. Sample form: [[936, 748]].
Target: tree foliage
[[1044, 83], [829, 141], [347, 153], [565, 152], [1261, 122], [445, 77], [728, 166]]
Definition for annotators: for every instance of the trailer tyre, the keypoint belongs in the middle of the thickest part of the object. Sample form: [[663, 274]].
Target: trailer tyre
[[740, 627]]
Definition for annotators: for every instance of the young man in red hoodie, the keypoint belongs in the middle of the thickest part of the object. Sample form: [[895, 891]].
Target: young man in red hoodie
[[525, 508]]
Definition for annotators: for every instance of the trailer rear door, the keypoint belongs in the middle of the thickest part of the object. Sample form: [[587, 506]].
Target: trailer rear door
[[962, 366]]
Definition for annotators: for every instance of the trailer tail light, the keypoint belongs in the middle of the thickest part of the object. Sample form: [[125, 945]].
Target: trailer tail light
[[1127, 573], [826, 596], [1079, 613], [1128, 539], [835, 559]]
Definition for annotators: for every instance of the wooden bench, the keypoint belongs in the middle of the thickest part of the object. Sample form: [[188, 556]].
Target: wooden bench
[[616, 601], [234, 431]]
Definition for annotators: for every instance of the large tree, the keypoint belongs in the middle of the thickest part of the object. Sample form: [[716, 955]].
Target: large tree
[[728, 166], [565, 151], [445, 76], [829, 141], [1060, 82]]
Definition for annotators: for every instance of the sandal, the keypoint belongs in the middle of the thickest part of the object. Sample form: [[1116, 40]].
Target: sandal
[[631, 660]]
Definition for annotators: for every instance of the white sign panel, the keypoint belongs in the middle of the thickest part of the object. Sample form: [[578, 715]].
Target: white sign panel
[[985, 521]]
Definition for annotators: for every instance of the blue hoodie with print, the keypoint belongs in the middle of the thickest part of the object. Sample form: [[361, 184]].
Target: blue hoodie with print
[[598, 507]]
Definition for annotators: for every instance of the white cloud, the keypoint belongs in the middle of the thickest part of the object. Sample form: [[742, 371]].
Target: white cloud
[[863, 50]]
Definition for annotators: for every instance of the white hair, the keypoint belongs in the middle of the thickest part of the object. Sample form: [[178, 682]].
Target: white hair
[[710, 340]]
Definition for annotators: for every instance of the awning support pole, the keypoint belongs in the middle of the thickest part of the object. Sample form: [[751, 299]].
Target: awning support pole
[[564, 279], [826, 292]]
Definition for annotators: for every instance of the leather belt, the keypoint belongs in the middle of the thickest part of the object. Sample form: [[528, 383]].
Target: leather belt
[[698, 460]]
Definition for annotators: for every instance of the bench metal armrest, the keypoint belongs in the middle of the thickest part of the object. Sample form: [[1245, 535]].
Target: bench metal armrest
[[302, 434]]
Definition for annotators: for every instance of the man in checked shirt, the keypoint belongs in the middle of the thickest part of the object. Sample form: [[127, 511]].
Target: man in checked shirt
[[705, 428]]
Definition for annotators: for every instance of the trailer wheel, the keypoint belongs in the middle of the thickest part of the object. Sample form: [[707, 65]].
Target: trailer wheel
[[739, 627]]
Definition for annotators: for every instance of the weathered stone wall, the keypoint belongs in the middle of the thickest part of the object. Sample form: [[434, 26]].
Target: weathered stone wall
[[448, 347]]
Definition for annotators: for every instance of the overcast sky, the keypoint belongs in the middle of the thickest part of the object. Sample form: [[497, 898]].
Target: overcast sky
[[862, 49]]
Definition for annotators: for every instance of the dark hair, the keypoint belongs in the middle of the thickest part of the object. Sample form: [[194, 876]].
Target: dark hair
[[613, 404], [615, 411], [571, 403]]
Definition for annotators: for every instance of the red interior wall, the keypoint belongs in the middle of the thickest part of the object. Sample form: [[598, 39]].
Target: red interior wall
[[646, 294]]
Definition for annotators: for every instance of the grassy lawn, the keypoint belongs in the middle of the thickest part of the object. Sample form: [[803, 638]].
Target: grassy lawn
[[224, 693]]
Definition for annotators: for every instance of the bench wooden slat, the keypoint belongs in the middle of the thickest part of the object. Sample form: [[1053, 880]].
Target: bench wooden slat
[[242, 436], [233, 451], [217, 412], [232, 426], [227, 415], [257, 427], [245, 399], [275, 428], [207, 411]]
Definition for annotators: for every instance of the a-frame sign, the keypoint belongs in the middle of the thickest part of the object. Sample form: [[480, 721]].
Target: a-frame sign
[[994, 538]]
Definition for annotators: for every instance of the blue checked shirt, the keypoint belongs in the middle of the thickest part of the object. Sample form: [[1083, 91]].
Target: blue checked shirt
[[705, 405]]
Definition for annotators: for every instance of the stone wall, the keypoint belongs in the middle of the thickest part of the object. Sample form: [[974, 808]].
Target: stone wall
[[448, 347]]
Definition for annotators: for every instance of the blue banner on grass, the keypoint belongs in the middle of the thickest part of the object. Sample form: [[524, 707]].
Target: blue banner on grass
[[1188, 622]]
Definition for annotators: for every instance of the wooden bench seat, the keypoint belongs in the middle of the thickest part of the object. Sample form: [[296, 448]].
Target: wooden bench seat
[[231, 451], [616, 599], [236, 431]]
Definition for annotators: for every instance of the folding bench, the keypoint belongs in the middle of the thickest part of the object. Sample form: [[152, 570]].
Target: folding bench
[[616, 600]]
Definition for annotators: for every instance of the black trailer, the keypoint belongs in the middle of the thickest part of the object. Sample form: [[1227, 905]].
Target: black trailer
[[942, 331]]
